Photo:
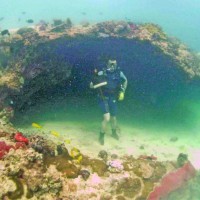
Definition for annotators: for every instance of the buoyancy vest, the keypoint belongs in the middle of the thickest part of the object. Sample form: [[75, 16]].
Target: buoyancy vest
[[113, 82]]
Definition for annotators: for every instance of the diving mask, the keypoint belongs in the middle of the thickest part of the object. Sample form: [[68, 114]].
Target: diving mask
[[112, 65]]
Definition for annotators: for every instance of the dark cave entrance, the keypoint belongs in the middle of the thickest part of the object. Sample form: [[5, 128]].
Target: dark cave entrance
[[154, 79]]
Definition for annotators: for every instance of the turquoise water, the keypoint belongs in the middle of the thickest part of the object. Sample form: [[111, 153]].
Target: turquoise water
[[179, 18]]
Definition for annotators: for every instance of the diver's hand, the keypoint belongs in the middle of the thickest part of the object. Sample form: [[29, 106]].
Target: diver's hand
[[91, 85], [121, 96]]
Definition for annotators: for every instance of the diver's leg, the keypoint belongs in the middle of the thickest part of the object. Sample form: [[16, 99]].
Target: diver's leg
[[103, 103], [113, 119], [106, 119]]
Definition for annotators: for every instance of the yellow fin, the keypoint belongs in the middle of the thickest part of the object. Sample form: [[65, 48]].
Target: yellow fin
[[55, 133], [35, 125]]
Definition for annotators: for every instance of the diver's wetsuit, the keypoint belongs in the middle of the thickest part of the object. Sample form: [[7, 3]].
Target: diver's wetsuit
[[108, 94]]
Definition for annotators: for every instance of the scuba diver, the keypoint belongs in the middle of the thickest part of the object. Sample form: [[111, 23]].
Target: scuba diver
[[111, 84]]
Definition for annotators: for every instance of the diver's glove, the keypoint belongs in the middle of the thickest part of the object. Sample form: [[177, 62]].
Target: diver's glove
[[121, 94]]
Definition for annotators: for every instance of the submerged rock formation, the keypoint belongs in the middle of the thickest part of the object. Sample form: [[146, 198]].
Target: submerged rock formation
[[39, 60]]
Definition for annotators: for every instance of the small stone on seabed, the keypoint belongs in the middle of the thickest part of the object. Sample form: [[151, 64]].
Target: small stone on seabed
[[103, 154], [142, 147], [114, 156], [173, 139], [85, 174]]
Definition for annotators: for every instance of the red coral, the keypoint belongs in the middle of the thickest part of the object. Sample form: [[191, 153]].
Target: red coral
[[20, 138], [144, 157], [2, 153], [173, 181], [4, 148], [20, 145]]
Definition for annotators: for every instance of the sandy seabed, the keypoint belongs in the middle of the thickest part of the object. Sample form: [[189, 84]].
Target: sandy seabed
[[81, 128], [132, 141]]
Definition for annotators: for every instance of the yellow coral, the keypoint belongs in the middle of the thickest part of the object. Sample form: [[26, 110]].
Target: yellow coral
[[76, 155], [154, 30], [27, 42], [74, 152], [11, 80]]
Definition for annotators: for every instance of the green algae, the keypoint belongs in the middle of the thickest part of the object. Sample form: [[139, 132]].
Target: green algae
[[63, 164]]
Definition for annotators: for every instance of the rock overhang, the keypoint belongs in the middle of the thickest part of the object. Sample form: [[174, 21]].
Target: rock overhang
[[44, 58]]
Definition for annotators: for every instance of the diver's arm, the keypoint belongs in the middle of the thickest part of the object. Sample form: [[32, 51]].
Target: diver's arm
[[125, 83], [100, 73], [92, 86]]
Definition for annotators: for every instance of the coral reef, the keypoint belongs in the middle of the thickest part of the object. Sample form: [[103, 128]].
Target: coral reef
[[63, 164], [42, 145], [23, 173], [26, 173], [61, 26], [10, 79], [6, 113], [115, 166], [98, 166], [151, 32], [129, 187]]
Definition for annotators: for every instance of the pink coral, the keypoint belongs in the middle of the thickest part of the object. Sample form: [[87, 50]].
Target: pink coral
[[95, 179], [172, 182]]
